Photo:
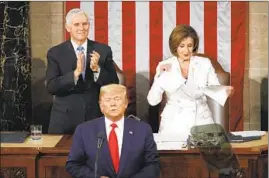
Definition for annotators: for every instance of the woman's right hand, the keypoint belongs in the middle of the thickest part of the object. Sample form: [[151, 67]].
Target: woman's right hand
[[230, 91]]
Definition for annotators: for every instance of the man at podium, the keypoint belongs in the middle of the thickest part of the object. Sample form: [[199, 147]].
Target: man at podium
[[113, 146]]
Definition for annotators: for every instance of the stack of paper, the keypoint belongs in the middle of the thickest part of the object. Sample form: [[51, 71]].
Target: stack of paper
[[170, 142], [245, 136], [249, 133]]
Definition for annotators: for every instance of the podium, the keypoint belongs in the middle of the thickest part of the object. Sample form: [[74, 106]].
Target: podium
[[47, 160]]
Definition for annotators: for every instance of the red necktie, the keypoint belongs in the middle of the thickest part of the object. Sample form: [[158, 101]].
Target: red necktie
[[113, 147]]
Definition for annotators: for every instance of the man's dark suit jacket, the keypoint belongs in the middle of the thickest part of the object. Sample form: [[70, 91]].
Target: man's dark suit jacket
[[138, 159], [74, 104]]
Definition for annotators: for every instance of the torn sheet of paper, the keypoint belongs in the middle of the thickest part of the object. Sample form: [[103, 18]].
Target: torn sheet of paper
[[217, 93]]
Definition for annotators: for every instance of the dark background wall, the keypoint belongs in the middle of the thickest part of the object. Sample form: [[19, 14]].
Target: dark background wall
[[51, 15], [15, 71], [22, 82]]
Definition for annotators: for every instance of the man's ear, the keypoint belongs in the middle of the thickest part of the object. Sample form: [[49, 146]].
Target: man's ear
[[126, 103], [101, 106], [68, 28]]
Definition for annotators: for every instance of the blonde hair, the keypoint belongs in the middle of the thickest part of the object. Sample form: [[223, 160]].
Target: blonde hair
[[180, 33], [113, 88]]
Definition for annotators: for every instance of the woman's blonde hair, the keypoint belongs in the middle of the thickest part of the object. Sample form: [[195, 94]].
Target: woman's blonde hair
[[179, 33]]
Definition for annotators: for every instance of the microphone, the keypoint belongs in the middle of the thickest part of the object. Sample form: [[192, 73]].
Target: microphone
[[186, 81], [131, 116], [100, 140]]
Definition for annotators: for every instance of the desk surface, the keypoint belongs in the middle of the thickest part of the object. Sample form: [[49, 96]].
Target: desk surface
[[65, 141], [46, 141]]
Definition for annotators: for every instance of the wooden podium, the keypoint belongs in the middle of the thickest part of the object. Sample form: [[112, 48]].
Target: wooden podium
[[47, 159]]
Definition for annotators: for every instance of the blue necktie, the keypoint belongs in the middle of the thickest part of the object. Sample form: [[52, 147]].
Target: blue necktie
[[81, 49]]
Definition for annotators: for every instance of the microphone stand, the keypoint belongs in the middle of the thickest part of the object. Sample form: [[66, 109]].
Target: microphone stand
[[100, 140], [131, 116], [96, 163]]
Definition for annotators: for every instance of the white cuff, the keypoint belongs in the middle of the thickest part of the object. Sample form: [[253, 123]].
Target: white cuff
[[96, 74]]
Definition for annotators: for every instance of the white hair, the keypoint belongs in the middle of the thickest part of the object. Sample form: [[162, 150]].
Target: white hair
[[71, 13]]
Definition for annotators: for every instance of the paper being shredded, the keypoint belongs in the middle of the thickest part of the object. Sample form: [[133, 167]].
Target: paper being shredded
[[217, 93]]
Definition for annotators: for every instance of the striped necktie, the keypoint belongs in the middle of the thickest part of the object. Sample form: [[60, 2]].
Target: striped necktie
[[81, 49]]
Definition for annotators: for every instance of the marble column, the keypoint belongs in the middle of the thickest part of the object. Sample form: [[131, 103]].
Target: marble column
[[15, 71]]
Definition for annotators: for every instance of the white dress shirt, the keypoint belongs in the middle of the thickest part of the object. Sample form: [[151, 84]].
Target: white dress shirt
[[119, 131], [84, 45]]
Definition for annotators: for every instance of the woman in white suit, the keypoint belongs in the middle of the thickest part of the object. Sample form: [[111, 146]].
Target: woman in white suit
[[183, 77]]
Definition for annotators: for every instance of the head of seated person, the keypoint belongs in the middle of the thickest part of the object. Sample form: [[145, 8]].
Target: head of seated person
[[113, 101]]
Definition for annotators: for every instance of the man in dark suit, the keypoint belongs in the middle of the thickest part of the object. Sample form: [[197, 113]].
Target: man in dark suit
[[76, 70], [128, 149]]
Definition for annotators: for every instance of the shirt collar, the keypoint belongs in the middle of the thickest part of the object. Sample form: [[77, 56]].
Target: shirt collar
[[120, 123], [75, 45]]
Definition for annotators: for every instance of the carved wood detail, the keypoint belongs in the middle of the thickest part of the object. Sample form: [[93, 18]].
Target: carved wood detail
[[14, 172]]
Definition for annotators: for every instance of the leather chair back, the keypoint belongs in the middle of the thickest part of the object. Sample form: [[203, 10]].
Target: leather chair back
[[220, 113], [120, 74]]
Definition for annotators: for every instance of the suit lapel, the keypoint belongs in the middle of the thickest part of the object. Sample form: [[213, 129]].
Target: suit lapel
[[71, 52], [90, 48], [126, 144], [176, 69], [105, 147], [194, 68]]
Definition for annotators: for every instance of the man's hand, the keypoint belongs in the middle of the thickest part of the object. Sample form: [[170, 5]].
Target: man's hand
[[230, 91], [104, 177], [94, 61], [80, 64]]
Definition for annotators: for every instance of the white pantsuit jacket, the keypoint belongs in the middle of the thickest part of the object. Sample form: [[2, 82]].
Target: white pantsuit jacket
[[186, 104]]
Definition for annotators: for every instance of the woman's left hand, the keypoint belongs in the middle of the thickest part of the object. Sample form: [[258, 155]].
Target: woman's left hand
[[230, 91]]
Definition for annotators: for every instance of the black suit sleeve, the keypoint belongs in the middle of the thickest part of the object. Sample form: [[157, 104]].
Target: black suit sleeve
[[57, 84], [108, 72], [151, 158]]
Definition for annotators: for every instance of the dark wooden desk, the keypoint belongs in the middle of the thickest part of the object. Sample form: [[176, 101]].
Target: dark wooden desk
[[49, 162]]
